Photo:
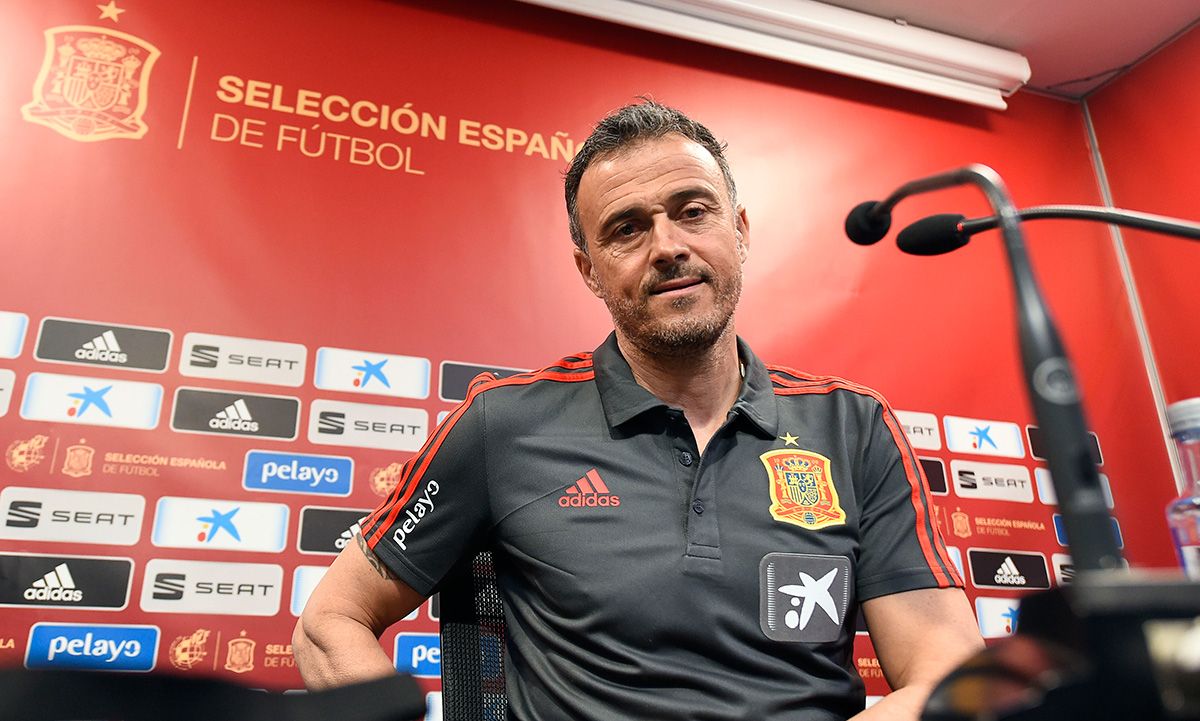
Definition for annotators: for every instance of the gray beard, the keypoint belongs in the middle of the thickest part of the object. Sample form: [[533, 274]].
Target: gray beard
[[685, 337]]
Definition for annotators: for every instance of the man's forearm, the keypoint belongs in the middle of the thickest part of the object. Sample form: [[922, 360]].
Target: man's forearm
[[903, 704], [335, 651]]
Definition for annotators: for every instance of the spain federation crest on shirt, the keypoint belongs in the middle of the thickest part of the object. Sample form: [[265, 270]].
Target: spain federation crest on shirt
[[802, 490], [93, 83]]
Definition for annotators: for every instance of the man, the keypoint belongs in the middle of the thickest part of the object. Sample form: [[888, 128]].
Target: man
[[679, 531]]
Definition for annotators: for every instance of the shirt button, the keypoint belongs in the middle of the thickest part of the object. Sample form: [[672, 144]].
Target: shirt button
[[685, 458], [698, 507]]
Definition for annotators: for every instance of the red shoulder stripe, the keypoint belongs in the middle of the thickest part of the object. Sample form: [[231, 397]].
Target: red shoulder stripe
[[933, 549], [415, 470]]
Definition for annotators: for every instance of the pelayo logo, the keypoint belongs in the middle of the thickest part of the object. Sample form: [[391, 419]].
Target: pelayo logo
[[92, 647], [298, 473]]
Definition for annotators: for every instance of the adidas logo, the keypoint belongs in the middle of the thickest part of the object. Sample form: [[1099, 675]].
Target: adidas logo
[[343, 540], [55, 586], [589, 492], [103, 347], [1008, 574], [235, 417]]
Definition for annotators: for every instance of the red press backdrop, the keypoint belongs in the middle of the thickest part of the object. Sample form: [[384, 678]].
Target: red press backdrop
[[247, 213]]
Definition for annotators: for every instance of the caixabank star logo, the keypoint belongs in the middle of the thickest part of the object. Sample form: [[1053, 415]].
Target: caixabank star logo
[[93, 84]]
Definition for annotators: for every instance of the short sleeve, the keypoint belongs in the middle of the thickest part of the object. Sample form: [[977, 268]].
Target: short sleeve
[[440, 508], [901, 548]]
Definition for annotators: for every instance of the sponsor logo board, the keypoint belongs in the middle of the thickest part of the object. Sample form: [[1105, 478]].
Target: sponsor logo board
[[1064, 569], [364, 425], [46, 514], [433, 706], [956, 557], [96, 583], [92, 647], [991, 568], [235, 414], [921, 429], [1037, 445], [419, 654], [327, 530], [1060, 531], [994, 481], [243, 589], [978, 436], [998, 617], [353, 371], [12, 333], [62, 340], [304, 580], [8, 380], [455, 378], [93, 401], [935, 473], [803, 597], [243, 359], [1047, 494], [297, 473], [214, 524]]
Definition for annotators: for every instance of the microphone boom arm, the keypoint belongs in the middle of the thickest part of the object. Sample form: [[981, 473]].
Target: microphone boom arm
[[1116, 216], [1049, 377]]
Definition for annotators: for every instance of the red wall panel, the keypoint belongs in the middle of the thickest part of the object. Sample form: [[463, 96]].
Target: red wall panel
[[1144, 123]]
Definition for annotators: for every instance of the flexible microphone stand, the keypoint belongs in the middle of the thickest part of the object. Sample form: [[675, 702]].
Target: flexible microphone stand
[[946, 232], [1084, 651]]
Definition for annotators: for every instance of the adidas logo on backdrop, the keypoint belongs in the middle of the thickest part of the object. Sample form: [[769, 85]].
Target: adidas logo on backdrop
[[103, 347], [1008, 574], [58, 585], [589, 492], [235, 417]]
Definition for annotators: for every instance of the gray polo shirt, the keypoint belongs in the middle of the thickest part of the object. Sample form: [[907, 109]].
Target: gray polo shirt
[[643, 579]]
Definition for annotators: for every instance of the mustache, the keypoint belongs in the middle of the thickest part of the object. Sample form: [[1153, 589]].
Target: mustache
[[679, 270]]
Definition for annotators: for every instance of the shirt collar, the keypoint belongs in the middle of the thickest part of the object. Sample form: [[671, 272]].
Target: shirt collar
[[623, 399]]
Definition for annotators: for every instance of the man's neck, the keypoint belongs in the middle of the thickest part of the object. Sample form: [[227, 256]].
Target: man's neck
[[705, 386]]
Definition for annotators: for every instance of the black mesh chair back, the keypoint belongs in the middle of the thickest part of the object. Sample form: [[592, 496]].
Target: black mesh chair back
[[473, 637]]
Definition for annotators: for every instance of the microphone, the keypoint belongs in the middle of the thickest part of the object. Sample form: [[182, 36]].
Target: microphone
[[1049, 377], [939, 234], [934, 235], [865, 225]]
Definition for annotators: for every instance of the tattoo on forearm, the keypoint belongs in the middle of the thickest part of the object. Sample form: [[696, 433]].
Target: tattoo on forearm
[[371, 557]]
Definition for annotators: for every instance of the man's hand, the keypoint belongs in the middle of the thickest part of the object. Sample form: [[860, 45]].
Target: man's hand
[[920, 636], [336, 640]]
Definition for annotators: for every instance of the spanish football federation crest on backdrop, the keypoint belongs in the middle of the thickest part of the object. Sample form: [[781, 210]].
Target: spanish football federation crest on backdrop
[[93, 83], [802, 490]]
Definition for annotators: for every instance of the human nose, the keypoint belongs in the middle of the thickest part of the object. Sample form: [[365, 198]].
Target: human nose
[[668, 243]]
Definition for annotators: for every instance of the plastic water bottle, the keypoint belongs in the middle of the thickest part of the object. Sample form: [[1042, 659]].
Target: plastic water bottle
[[1183, 514]]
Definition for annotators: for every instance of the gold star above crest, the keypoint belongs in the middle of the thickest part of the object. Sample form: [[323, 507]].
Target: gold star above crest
[[111, 11], [790, 440]]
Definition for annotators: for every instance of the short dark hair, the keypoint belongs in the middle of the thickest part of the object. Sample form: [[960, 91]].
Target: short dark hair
[[629, 126]]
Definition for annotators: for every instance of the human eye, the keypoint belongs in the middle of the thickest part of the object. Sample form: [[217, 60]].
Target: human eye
[[694, 211]]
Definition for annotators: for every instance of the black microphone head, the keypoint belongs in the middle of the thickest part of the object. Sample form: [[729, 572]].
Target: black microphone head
[[934, 235], [864, 228]]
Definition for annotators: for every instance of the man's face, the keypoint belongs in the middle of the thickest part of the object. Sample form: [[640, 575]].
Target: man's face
[[665, 244]]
